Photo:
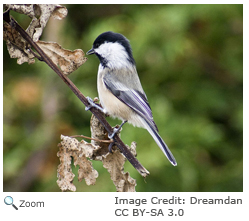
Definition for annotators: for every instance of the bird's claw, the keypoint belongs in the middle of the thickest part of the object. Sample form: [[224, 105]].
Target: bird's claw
[[115, 131], [110, 146]]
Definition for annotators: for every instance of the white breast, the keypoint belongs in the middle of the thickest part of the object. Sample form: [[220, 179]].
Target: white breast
[[113, 106]]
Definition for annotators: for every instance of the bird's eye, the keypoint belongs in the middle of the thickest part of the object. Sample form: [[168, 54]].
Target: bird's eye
[[96, 45]]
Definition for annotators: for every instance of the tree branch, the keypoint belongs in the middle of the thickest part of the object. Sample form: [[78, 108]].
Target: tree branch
[[126, 152]]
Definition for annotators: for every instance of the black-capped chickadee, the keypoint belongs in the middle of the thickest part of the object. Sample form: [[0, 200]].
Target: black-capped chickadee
[[120, 91]]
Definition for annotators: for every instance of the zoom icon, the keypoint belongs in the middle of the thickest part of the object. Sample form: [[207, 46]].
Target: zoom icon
[[8, 200]]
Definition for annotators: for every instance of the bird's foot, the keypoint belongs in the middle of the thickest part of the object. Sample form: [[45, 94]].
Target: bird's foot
[[92, 104], [115, 131]]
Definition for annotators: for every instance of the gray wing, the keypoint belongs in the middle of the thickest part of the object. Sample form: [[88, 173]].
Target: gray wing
[[135, 99]]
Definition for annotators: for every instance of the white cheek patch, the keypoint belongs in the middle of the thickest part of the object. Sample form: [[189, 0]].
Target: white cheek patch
[[112, 52]]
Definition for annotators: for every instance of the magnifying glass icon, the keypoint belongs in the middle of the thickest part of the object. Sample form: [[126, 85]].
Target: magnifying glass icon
[[8, 200]]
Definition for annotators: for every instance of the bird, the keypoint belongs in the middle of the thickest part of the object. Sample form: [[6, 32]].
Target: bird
[[119, 88]]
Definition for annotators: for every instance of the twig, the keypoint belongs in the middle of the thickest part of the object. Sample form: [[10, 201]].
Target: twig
[[126, 152], [90, 138]]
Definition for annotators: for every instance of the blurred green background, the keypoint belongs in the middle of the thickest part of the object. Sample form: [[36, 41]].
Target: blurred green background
[[190, 62]]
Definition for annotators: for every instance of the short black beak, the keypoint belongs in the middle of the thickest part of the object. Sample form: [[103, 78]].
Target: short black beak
[[91, 51]]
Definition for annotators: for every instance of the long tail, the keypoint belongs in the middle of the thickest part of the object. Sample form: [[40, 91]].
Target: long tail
[[159, 141]]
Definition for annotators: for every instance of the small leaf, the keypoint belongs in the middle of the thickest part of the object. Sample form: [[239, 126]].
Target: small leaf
[[16, 45], [80, 151], [64, 171], [86, 170], [39, 12], [68, 60], [114, 163]]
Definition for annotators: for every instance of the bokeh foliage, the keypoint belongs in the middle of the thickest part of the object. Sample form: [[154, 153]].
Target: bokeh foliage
[[190, 62]]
